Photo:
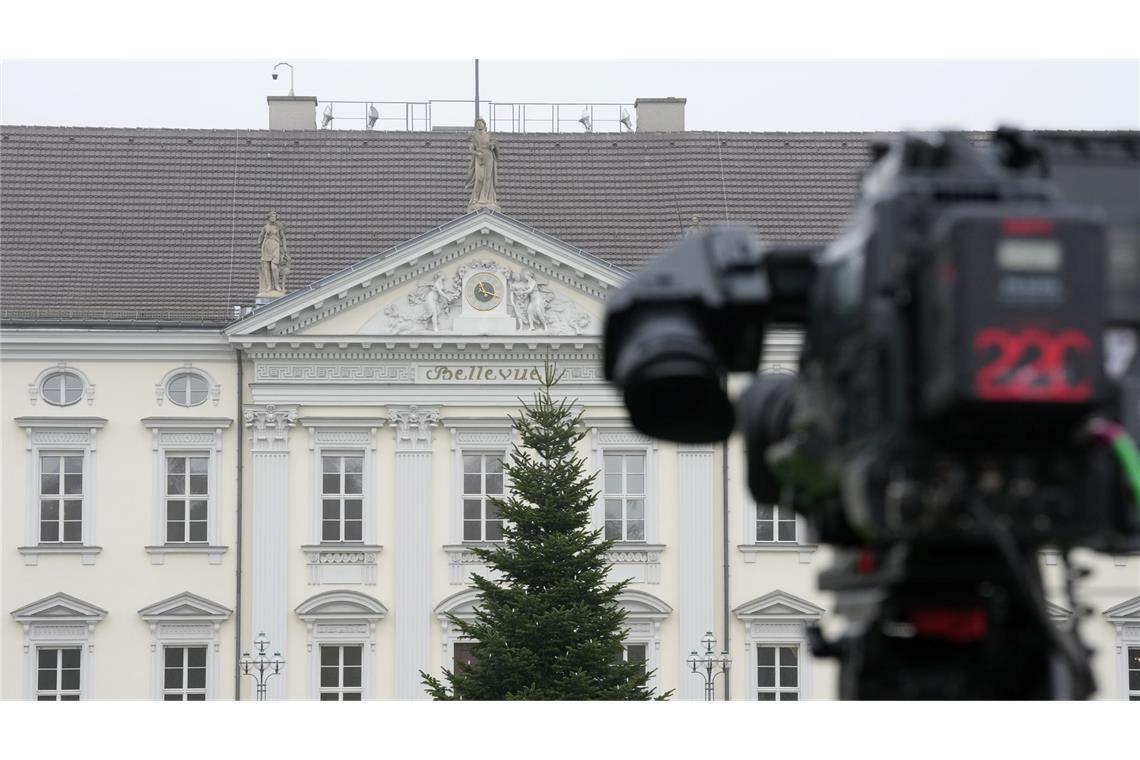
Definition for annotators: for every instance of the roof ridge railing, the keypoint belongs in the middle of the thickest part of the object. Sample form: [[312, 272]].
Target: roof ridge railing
[[457, 116]]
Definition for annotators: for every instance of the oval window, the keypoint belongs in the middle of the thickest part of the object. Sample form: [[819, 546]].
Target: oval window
[[62, 388], [187, 389]]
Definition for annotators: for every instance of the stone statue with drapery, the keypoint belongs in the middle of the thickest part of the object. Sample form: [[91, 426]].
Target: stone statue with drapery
[[274, 259], [483, 170]]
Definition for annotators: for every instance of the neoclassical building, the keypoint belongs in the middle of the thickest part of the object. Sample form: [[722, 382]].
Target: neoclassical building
[[217, 424]]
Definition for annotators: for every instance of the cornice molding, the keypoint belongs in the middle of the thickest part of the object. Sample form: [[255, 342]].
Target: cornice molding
[[188, 423], [62, 423]]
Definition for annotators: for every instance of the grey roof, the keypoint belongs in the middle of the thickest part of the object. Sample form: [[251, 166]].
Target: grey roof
[[162, 224]]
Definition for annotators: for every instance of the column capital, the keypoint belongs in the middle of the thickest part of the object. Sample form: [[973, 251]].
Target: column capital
[[270, 425], [413, 426]]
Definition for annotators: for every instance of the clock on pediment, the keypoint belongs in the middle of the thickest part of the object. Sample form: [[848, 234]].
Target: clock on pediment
[[484, 291]]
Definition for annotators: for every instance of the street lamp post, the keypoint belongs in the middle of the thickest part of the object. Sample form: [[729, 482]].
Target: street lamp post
[[705, 664], [261, 667]]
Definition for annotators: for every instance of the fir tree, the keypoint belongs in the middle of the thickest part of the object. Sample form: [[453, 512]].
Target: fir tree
[[550, 627]]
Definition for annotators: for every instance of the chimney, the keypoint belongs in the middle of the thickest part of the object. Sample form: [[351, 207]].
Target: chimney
[[660, 114], [292, 112]]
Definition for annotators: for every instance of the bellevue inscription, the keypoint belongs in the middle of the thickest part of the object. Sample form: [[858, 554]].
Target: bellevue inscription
[[445, 373]]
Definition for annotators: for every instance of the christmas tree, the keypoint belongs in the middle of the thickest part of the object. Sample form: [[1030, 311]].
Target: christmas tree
[[550, 626]]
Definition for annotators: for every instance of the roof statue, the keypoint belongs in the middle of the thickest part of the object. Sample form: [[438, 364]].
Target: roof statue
[[274, 259], [483, 171]]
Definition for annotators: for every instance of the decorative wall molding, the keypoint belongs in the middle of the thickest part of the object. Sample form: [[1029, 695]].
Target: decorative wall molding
[[270, 425], [215, 389], [413, 426], [59, 620], [34, 387], [774, 619], [349, 373], [640, 563], [341, 563], [341, 618], [462, 562]]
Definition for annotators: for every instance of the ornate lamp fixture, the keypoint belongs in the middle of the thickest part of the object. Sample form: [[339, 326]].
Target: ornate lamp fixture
[[261, 667], [706, 665]]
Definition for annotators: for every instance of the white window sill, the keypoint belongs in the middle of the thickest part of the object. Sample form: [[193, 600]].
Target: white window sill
[[751, 551], [32, 553], [158, 553]]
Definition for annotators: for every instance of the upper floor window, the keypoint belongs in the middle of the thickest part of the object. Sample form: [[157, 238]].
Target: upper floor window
[[777, 673], [187, 498], [61, 498], [482, 485], [341, 673], [184, 674], [342, 497], [188, 389], [625, 496], [775, 523], [58, 673], [1134, 674], [62, 388]]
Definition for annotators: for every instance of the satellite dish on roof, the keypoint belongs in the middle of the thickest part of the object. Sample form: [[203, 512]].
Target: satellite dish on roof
[[626, 120], [328, 117], [585, 120]]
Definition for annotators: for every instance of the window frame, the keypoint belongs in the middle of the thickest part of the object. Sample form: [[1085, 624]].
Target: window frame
[[60, 436], [186, 437], [484, 497], [162, 393], [185, 620], [621, 439], [803, 545], [776, 690], [186, 498], [340, 690], [343, 496], [777, 619], [59, 621], [341, 618], [626, 495], [644, 614], [36, 388], [473, 435], [1125, 620], [59, 692], [60, 497], [186, 691]]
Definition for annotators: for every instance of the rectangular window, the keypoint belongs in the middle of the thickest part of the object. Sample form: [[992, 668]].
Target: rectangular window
[[342, 497], [775, 523], [777, 674], [625, 496], [463, 655], [57, 674], [187, 498], [341, 673], [1134, 674], [637, 653], [61, 499], [184, 674], [482, 484]]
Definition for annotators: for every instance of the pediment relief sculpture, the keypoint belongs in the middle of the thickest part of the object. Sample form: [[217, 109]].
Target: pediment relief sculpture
[[485, 296]]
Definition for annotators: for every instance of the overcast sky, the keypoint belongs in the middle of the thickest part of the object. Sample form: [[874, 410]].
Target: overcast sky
[[722, 95]]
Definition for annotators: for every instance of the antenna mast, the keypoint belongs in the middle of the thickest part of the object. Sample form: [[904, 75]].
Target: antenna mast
[[476, 89]]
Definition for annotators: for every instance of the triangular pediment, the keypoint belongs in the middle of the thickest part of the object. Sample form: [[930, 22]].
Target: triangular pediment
[[481, 275], [1057, 613], [59, 607], [185, 606], [341, 605], [778, 605], [1125, 612]]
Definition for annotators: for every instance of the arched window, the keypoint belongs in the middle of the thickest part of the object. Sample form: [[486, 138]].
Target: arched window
[[188, 389], [62, 387]]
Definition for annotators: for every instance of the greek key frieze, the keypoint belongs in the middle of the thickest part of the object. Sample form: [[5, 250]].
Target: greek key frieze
[[307, 373]]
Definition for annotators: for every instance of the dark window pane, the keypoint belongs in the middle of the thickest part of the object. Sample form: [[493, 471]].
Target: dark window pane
[[175, 532], [47, 658], [175, 465], [766, 696], [331, 484], [763, 512], [73, 483], [330, 656], [353, 531], [635, 530], [354, 483], [330, 697], [173, 678], [354, 465], [352, 677], [172, 698], [175, 485], [330, 509], [472, 530], [195, 697], [352, 656], [330, 530], [787, 655], [175, 509], [329, 677], [463, 655], [198, 531], [69, 698], [70, 678], [72, 532], [352, 697], [789, 696], [635, 652], [46, 698], [199, 485], [613, 530], [472, 509], [613, 509], [766, 656], [196, 678], [787, 531], [495, 531], [46, 680], [49, 531], [788, 677], [494, 484], [198, 509], [472, 484], [72, 509], [49, 509], [492, 510], [71, 658], [1134, 680], [472, 463], [199, 465], [173, 657], [330, 465], [49, 482], [353, 509], [765, 676], [764, 531]]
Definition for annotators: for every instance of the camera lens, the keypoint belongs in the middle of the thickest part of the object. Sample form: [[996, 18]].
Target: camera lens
[[765, 418], [672, 380]]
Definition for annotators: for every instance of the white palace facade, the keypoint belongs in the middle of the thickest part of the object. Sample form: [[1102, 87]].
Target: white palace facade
[[318, 469]]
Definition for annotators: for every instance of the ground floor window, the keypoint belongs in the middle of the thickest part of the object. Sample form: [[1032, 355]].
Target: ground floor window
[[777, 673], [184, 674], [1134, 674], [463, 655], [638, 653], [57, 674], [341, 673]]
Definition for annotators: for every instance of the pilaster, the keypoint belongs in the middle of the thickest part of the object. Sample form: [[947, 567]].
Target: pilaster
[[269, 426], [697, 559], [412, 610]]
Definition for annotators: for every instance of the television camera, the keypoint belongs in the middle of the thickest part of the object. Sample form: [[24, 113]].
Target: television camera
[[951, 416]]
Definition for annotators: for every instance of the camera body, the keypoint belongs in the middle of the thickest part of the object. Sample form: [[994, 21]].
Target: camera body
[[952, 351]]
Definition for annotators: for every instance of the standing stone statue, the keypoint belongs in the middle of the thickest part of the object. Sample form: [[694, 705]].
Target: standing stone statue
[[274, 259], [483, 171]]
